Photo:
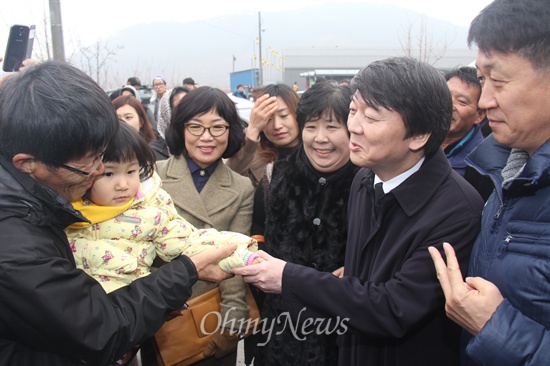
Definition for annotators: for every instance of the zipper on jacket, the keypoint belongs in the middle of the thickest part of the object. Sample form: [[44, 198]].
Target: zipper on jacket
[[504, 247], [499, 211], [496, 217], [497, 189]]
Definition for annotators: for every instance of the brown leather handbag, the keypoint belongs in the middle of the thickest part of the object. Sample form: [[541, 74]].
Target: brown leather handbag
[[182, 340]]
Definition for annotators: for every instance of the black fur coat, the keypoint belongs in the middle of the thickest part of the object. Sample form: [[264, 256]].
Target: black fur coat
[[305, 224]]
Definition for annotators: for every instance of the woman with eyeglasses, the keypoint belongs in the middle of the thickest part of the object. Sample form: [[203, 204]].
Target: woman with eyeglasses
[[204, 130]]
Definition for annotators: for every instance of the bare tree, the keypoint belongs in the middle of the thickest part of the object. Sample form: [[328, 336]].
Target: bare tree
[[406, 39], [421, 45], [94, 59], [42, 49]]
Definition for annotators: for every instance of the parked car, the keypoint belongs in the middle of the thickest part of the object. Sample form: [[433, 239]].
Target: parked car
[[244, 107], [146, 93]]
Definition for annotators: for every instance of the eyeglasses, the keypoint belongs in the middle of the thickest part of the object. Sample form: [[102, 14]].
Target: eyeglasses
[[93, 166], [198, 130], [159, 84]]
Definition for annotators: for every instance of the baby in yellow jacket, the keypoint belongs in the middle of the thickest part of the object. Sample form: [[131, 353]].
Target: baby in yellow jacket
[[131, 221]]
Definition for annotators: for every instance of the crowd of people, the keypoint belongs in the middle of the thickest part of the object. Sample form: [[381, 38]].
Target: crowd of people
[[400, 218]]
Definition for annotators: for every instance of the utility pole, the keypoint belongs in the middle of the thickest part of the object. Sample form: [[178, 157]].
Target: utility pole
[[261, 77], [57, 30]]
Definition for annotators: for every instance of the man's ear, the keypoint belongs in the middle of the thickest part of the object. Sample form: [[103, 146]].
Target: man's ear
[[24, 162], [417, 142]]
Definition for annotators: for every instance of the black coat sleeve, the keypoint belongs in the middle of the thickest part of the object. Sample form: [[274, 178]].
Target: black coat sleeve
[[258, 215], [48, 305], [387, 309]]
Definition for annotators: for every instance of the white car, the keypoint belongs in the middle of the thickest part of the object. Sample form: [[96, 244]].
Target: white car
[[244, 107]]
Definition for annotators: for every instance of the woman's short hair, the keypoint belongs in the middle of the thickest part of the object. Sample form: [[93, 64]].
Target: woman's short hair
[[200, 101], [415, 90], [126, 145], [325, 97], [54, 112], [145, 129]]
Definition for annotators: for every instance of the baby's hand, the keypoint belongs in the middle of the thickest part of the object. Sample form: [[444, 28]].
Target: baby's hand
[[253, 258], [258, 260]]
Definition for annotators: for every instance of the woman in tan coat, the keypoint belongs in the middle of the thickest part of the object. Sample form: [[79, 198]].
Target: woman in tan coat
[[204, 129]]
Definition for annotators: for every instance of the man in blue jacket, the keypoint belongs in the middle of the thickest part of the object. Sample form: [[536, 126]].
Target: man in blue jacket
[[465, 132], [239, 92], [504, 305]]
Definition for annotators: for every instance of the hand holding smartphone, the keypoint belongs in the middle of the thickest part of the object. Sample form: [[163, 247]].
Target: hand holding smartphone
[[19, 47]]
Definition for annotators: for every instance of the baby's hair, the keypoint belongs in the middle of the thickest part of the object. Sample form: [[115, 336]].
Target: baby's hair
[[126, 145]]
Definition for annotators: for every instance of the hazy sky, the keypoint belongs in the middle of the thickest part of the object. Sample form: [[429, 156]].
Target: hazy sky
[[88, 20]]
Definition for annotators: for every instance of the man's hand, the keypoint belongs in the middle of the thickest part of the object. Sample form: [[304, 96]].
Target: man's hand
[[264, 108], [207, 263], [339, 272], [469, 304], [267, 276]]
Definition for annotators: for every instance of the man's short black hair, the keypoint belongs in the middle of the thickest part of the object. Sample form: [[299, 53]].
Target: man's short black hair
[[466, 74], [189, 81], [518, 26], [134, 81], [415, 90], [54, 112]]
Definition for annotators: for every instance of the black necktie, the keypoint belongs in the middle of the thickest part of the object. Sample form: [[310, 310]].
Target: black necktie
[[378, 193]]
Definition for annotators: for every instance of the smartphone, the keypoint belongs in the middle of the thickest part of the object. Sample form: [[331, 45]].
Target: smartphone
[[16, 50]]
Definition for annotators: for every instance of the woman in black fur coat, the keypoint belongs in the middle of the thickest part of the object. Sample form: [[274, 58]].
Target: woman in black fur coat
[[300, 207]]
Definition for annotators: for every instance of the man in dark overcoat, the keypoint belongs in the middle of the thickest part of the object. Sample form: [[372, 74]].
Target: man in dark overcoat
[[389, 304]]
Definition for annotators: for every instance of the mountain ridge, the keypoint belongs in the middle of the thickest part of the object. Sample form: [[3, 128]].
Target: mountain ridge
[[204, 49]]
